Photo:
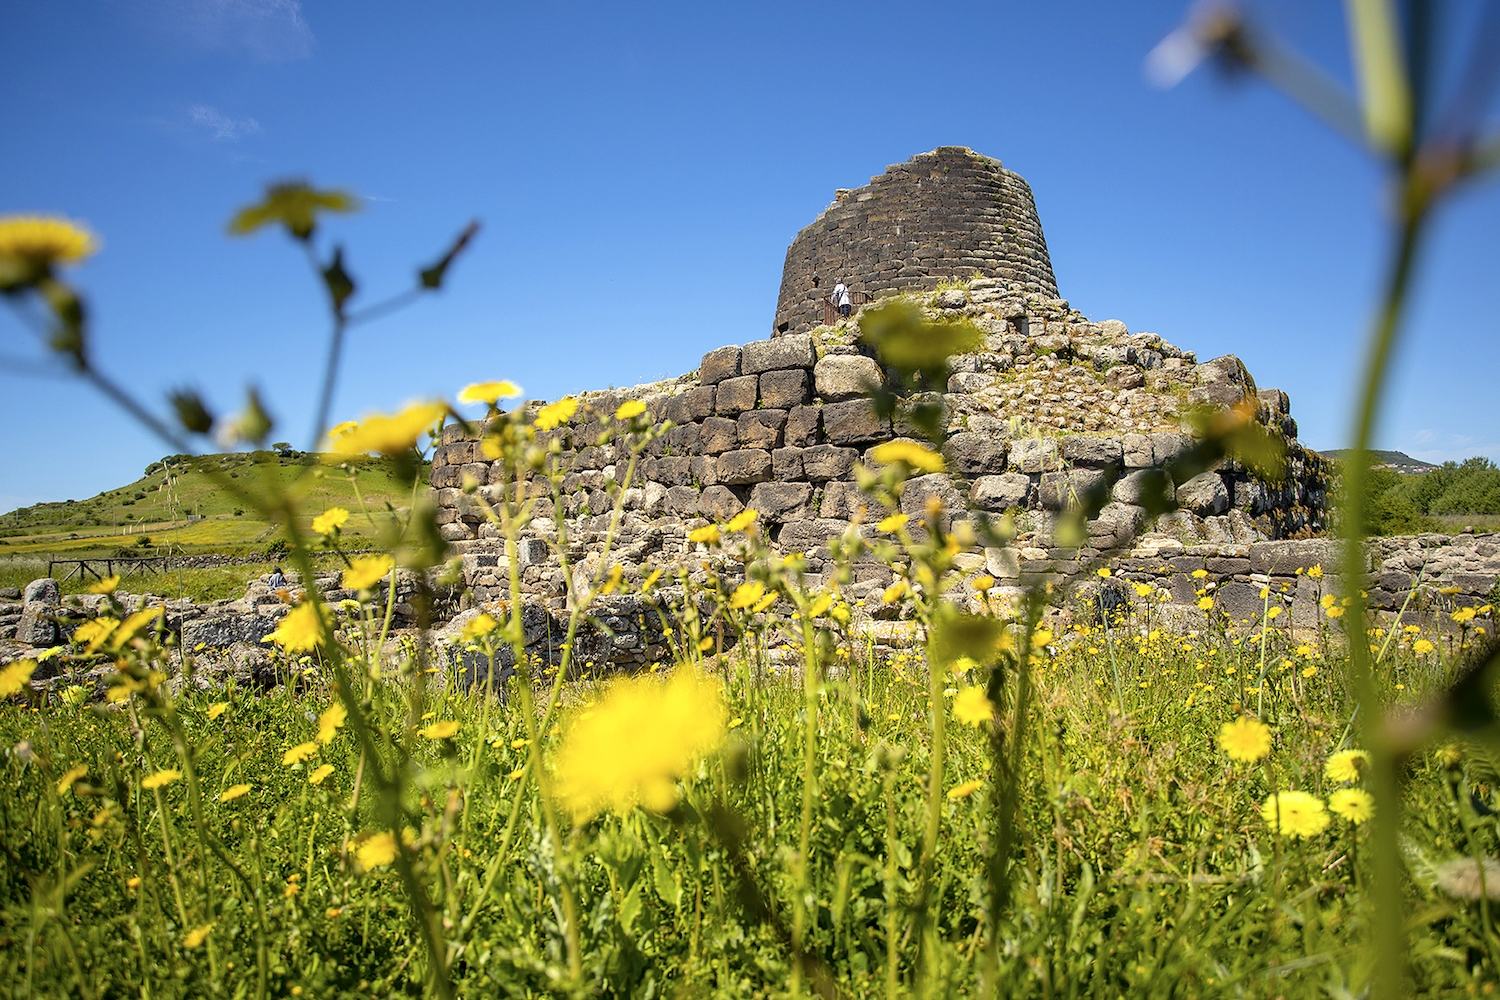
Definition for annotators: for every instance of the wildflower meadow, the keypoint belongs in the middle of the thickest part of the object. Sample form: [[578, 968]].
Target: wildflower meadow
[[1024, 796]]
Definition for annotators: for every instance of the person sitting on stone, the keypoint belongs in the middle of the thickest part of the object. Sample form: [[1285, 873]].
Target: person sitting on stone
[[840, 298], [277, 580]]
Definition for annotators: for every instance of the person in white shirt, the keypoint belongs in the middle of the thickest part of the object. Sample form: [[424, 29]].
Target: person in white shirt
[[840, 298]]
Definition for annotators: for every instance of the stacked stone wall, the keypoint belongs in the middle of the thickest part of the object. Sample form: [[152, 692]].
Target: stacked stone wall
[[950, 213], [1053, 407]]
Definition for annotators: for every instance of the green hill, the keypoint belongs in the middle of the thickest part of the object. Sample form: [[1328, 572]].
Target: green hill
[[1398, 461], [178, 507]]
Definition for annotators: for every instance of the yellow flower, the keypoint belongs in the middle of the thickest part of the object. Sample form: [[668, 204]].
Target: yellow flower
[[194, 937], [983, 582], [1199, 574], [1316, 572], [820, 606], [1205, 603], [42, 241], [441, 730], [1273, 612], [1309, 671], [630, 409], [488, 392], [632, 746], [388, 435], [1335, 612], [908, 453], [330, 520], [65, 783], [747, 594], [765, 602], [301, 631], [331, 721], [319, 773], [1328, 600], [15, 677], [108, 585], [973, 706], [742, 520], [1346, 765], [1450, 754], [893, 522], [134, 625], [965, 790], [1246, 739], [556, 414], [1296, 814], [479, 626], [298, 754], [1422, 647], [1142, 589], [92, 633], [233, 792], [366, 571], [217, 709], [894, 592], [376, 850], [706, 535], [1463, 615], [1354, 804], [161, 779]]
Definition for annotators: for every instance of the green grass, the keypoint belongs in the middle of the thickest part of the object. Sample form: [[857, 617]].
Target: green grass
[[1144, 867], [184, 509]]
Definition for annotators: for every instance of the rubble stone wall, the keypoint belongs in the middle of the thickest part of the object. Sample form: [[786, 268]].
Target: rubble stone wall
[[940, 215], [1054, 406]]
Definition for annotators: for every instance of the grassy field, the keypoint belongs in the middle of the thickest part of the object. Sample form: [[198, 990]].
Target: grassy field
[[1144, 865], [199, 584], [182, 508]]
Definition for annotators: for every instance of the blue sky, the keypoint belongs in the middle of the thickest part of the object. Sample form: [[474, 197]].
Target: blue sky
[[640, 170]]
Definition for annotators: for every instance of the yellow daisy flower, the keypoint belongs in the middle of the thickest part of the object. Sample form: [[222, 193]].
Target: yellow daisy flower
[[1296, 814], [1246, 739], [488, 392], [365, 572]]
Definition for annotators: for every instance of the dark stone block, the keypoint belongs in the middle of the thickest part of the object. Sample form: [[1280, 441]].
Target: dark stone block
[[761, 428], [682, 500], [719, 434], [822, 462], [780, 502], [698, 403], [854, 421], [736, 395], [802, 426], [784, 389], [673, 471], [971, 454], [719, 365], [794, 351], [1084, 488], [743, 467], [1097, 452], [718, 503], [786, 464]]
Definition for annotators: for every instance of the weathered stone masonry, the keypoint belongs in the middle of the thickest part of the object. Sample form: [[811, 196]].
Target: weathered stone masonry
[[944, 214], [1052, 406]]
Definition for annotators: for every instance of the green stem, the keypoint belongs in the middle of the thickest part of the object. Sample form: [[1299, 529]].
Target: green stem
[[1388, 978]]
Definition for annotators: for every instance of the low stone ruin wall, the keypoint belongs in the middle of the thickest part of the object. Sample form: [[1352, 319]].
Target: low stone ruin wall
[[1054, 407]]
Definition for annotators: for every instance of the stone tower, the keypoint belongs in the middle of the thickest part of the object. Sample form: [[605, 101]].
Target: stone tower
[[943, 214]]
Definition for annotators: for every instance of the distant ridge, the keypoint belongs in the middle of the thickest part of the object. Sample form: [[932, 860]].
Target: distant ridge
[[1397, 460]]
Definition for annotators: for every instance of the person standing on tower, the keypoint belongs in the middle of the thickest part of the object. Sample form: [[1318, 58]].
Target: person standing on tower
[[840, 298]]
